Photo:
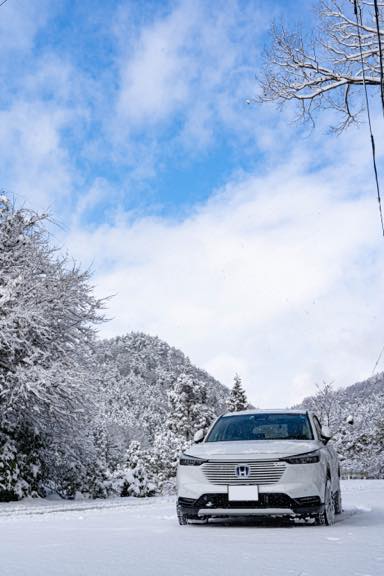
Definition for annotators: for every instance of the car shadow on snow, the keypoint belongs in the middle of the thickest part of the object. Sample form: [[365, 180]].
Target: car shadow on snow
[[353, 516], [248, 521]]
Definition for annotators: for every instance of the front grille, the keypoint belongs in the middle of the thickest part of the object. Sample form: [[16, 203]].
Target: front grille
[[260, 472]]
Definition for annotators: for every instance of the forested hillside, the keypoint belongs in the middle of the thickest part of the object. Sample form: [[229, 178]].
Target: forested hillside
[[361, 445], [137, 373], [150, 401]]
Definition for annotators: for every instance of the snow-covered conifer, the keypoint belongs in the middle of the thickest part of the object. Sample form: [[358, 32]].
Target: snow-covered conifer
[[237, 400], [163, 456], [189, 410]]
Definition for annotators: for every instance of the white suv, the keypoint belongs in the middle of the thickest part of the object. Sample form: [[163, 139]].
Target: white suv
[[260, 462]]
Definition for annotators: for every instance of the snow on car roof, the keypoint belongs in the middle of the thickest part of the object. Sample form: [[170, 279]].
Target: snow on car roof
[[269, 411]]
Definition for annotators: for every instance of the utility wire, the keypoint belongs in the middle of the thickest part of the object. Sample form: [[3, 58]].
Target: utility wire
[[377, 361], [377, 18], [359, 22], [3, 2]]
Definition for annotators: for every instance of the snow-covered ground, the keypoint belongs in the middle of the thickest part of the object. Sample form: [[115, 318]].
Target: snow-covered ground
[[141, 537]]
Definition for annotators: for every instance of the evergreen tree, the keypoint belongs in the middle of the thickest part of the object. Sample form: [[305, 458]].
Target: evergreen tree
[[163, 457], [237, 399], [189, 410]]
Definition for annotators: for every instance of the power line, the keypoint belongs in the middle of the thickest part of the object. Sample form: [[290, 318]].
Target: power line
[[359, 22], [377, 361], [377, 18], [3, 2]]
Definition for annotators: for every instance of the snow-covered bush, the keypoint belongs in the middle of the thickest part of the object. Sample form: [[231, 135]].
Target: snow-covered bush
[[134, 477], [21, 467]]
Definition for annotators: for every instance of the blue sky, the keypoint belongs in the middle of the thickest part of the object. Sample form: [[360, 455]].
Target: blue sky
[[91, 68], [249, 242]]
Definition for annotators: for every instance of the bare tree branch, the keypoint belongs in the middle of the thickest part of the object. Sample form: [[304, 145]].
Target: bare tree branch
[[325, 71]]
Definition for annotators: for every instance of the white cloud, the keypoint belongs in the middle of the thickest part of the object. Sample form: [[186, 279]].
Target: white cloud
[[37, 167], [37, 164], [277, 278], [155, 79], [19, 23], [192, 66]]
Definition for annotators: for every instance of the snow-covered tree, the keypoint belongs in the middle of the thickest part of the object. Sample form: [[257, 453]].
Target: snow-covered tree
[[47, 313], [163, 456], [46, 322], [189, 410], [237, 400], [325, 405]]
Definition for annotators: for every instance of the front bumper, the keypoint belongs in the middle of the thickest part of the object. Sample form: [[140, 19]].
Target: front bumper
[[298, 481], [269, 504]]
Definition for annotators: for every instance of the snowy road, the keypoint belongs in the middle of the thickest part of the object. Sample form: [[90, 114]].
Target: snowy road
[[141, 537]]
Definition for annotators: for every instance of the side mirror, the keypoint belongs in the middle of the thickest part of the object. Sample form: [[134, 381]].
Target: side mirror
[[350, 420], [326, 434], [198, 436]]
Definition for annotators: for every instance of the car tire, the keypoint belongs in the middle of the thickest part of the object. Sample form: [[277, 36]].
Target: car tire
[[327, 516], [182, 518], [338, 502]]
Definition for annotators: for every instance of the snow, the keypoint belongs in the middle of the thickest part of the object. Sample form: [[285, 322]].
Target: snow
[[130, 537]]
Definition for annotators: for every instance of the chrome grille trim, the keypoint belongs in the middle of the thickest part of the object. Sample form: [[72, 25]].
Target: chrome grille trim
[[261, 471]]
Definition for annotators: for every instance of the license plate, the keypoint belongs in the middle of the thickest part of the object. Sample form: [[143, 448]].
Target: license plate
[[243, 493]]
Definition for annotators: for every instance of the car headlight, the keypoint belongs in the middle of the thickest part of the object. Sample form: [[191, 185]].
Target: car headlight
[[186, 460], [308, 458]]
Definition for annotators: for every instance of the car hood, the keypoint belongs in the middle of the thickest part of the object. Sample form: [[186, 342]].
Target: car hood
[[253, 450]]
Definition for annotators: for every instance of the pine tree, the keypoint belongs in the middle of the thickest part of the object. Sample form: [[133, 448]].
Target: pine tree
[[237, 399]]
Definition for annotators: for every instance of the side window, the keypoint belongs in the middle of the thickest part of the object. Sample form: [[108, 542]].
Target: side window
[[317, 426]]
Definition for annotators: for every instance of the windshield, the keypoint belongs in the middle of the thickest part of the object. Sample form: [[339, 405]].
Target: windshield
[[261, 427]]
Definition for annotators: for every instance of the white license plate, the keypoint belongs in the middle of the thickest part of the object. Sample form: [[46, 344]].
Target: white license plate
[[243, 493]]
